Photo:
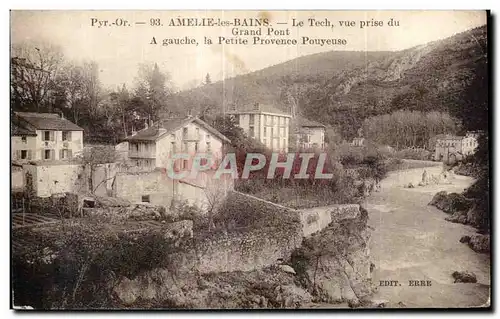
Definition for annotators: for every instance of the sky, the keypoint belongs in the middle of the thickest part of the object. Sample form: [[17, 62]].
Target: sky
[[120, 49]]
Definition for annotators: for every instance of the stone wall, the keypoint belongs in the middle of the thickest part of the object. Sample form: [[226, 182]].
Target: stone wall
[[257, 247], [103, 178], [155, 184], [17, 180], [242, 251], [59, 177], [312, 220], [266, 233], [316, 219], [162, 190], [54, 178]]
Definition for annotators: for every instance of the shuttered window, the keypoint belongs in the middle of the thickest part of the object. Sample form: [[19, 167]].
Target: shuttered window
[[48, 136], [65, 153], [66, 135], [48, 154]]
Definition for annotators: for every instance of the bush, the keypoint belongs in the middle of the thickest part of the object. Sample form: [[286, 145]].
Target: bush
[[72, 262], [240, 211], [182, 210]]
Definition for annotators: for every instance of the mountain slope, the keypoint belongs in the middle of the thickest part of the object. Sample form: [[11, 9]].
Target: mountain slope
[[343, 88]]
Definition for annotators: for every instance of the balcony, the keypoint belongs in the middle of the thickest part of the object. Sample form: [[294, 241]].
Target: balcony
[[139, 154], [190, 137]]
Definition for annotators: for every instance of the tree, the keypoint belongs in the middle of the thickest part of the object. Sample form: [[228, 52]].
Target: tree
[[215, 192], [152, 89], [408, 129], [207, 79], [34, 74], [72, 90], [92, 86], [123, 100], [94, 156]]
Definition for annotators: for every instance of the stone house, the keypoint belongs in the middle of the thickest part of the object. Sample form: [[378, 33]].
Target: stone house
[[309, 134], [44, 137], [153, 146], [452, 148]]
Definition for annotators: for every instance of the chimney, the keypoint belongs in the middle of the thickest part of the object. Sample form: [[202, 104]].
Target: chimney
[[145, 124], [189, 113], [256, 107], [133, 131]]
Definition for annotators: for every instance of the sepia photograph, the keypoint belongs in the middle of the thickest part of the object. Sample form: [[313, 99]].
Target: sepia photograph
[[250, 160]]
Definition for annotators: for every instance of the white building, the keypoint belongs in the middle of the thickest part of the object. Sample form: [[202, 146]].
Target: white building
[[152, 147], [44, 136], [452, 148], [309, 134], [265, 123]]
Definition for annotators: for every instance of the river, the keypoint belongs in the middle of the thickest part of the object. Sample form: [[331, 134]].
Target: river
[[412, 241]]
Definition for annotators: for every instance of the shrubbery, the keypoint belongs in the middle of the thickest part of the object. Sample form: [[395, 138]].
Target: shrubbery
[[76, 259], [239, 211]]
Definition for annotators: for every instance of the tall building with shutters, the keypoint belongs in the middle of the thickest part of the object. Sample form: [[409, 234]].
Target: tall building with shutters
[[265, 123], [44, 137]]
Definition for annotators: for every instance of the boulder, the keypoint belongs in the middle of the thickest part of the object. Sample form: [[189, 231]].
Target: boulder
[[342, 274], [438, 199], [379, 303], [458, 217], [478, 215], [465, 239], [156, 284], [145, 212], [458, 203], [451, 203], [287, 269], [464, 276], [291, 296], [480, 243]]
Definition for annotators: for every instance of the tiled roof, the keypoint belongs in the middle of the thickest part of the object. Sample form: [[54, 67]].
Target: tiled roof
[[303, 122], [257, 108], [170, 125], [17, 130], [153, 132], [48, 121]]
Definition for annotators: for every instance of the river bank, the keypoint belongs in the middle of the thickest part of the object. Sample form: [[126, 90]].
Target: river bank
[[412, 241]]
